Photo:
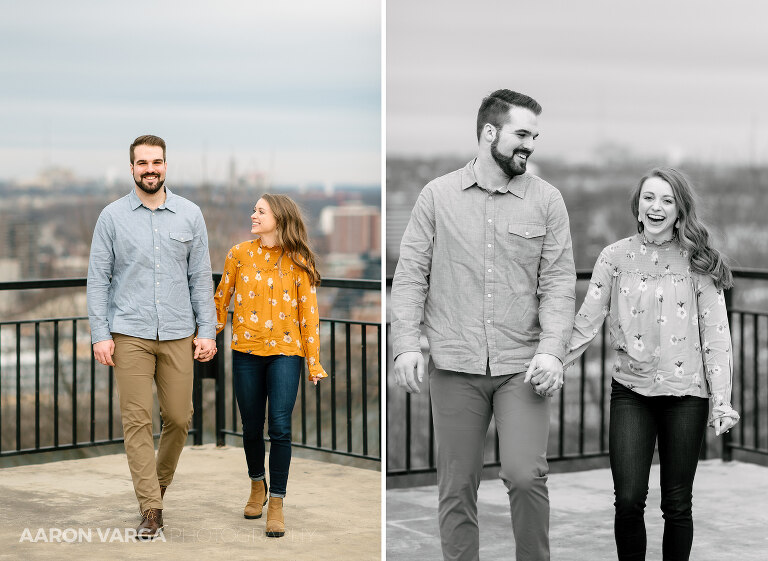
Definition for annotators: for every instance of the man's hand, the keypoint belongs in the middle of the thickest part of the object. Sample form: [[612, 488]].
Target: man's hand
[[724, 424], [103, 351], [205, 349], [545, 373], [406, 364]]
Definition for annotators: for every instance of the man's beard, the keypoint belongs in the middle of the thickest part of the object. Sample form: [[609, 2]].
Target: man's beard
[[507, 163], [147, 189]]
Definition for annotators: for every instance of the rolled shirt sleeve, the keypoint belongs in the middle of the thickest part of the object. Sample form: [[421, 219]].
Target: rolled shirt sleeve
[[557, 282], [411, 281]]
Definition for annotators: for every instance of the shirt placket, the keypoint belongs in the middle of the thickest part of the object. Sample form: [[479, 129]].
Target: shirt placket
[[488, 274], [154, 220]]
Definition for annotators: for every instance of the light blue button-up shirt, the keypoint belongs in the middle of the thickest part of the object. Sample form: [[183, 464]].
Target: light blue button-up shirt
[[149, 273]]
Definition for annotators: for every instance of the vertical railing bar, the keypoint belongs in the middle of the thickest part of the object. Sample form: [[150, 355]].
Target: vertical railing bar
[[348, 343], [333, 386], [18, 386], [561, 424], [37, 385], [742, 375], [378, 375], [74, 382], [303, 405], [110, 413], [581, 402], [431, 433], [56, 383], [602, 388], [408, 432], [318, 415], [1, 390], [93, 398], [755, 389], [364, 382]]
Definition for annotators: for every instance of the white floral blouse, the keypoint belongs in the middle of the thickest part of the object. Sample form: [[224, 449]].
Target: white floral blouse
[[669, 325]]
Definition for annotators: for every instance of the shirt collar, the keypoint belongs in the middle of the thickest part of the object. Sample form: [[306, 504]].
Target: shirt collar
[[516, 185], [170, 200]]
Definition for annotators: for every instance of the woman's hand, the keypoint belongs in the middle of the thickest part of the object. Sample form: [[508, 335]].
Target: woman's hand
[[723, 424], [315, 379]]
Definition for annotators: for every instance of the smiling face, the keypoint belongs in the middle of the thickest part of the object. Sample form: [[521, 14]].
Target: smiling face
[[263, 220], [148, 168], [514, 141], [657, 209]]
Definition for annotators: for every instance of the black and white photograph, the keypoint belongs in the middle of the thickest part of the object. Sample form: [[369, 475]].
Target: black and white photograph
[[576, 281]]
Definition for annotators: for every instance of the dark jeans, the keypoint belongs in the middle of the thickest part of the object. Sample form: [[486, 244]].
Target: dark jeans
[[637, 421], [259, 379]]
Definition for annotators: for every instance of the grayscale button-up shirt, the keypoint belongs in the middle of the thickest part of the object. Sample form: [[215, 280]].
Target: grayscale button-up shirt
[[149, 273], [491, 273]]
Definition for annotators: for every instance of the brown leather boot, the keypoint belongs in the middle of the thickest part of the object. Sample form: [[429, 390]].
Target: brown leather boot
[[257, 500], [275, 522], [151, 524]]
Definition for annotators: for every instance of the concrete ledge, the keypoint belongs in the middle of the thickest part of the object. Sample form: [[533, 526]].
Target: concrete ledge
[[332, 511]]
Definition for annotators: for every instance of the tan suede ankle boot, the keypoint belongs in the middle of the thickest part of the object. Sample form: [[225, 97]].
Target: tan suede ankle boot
[[275, 522], [257, 500]]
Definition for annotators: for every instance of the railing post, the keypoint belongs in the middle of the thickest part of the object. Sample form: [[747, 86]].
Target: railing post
[[220, 390], [197, 405]]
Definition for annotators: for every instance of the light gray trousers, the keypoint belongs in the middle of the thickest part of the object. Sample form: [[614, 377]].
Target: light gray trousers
[[462, 406]]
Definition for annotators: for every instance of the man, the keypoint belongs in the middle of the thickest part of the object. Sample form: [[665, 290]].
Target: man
[[487, 261], [149, 289]]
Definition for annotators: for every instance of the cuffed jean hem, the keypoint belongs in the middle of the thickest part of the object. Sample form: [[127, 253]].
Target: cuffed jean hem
[[259, 478]]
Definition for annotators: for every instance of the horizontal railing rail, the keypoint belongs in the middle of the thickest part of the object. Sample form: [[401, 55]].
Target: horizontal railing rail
[[579, 413], [54, 396]]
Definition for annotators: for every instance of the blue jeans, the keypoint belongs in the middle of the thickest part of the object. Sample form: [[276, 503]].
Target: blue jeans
[[637, 421], [259, 379]]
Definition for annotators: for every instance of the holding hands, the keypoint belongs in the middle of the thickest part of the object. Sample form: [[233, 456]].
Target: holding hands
[[545, 374]]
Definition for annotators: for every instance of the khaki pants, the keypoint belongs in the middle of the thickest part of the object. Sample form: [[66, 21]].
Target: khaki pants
[[462, 406], [169, 363]]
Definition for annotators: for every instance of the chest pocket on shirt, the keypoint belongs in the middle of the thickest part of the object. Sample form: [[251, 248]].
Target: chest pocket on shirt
[[180, 243], [527, 240]]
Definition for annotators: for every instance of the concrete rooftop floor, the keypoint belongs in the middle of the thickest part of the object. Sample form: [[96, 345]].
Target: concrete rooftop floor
[[730, 513], [332, 511]]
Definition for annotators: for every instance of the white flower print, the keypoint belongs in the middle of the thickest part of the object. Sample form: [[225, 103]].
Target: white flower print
[[681, 312], [240, 319], [234, 338], [282, 315], [623, 290], [303, 298], [257, 276], [634, 312], [642, 287], [247, 335], [639, 345], [286, 296], [272, 343], [696, 379], [674, 340], [245, 278], [657, 352], [718, 399], [694, 319], [679, 370], [662, 320], [298, 343], [250, 253], [287, 338], [311, 339], [226, 277], [312, 361], [220, 293], [594, 331], [312, 289], [229, 254], [722, 328], [293, 303], [317, 330], [254, 317], [274, 302], [270, 282], [720, 298], [715, 370], [268, 324], [643, 249], [303, 322], [311, 309], [239, 298], [659, 293], [251, 294], [605, 311], [655, 257], [258, 250], [266, 257], [706, 312], [658, 378], [595, 290]]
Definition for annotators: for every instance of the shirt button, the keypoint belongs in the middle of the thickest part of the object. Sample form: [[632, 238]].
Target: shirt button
[[155, 229], [487, 321], [526, 234], [489, 270], [158, 266], [489, 221], [489, 245], [158, 284], [489, 296], [157, 247]]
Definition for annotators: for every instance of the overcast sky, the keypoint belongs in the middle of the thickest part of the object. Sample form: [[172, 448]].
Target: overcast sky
[[287, 88], [683, 78]]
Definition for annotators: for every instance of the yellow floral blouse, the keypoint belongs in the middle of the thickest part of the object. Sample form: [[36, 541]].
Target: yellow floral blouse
[[668, 324], [275, 309]]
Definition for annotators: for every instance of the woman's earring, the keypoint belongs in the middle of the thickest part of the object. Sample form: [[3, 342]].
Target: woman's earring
[[677, 224], [639, 219]]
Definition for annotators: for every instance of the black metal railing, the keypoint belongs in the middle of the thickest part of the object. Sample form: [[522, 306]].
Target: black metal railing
[[51, 385], [579, 413]]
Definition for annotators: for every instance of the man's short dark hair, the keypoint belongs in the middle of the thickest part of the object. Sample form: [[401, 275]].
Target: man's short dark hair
[[495, 107], [147, 140]]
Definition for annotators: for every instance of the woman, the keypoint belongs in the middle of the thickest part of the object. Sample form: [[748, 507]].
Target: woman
[[662, 291], [275, 324]]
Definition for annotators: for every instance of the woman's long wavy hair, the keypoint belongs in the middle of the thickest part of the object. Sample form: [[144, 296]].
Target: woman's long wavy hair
[[292, 234], [692, 234]]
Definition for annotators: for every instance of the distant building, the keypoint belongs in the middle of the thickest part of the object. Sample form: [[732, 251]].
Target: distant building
[[352, 229]]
